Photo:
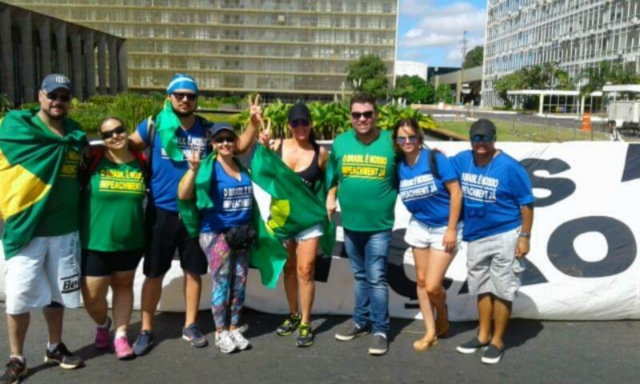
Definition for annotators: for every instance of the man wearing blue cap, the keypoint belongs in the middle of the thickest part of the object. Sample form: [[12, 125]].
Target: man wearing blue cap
[[179, 131], [39, 157]]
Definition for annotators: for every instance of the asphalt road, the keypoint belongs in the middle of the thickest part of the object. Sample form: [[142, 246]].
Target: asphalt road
[[538, 352]]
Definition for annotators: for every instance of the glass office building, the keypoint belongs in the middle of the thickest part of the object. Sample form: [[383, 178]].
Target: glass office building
[[277, 47]]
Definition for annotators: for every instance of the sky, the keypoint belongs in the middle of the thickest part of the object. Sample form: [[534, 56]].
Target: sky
[[430, 31]]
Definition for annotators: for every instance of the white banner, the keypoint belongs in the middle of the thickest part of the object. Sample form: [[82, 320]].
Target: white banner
[[582, 264]]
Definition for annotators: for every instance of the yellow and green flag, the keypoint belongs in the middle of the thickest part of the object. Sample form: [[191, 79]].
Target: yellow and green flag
[[30, 160]]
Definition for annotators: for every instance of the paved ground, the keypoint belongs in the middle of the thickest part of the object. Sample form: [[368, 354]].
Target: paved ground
[[538, 352]]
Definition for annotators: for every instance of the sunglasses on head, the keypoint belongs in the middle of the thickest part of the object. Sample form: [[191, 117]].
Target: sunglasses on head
[[119, 130], [481, 138], [182, 95], [64, 97], [299, 123], [357, 115], [224, 139], [403, 139]]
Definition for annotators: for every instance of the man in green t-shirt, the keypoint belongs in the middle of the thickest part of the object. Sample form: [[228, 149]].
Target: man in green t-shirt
[[365, 163], [41, 188]]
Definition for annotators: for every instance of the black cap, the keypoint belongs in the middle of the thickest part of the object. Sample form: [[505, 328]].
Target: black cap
[[221, 126], [483, 127], [299, 111]]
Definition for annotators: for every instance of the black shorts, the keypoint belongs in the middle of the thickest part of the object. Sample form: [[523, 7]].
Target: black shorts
[[102, 264], [168, 234]]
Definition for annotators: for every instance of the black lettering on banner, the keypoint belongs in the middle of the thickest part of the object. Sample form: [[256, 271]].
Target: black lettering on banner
[[621, 247], [632, 163], [560, 187]]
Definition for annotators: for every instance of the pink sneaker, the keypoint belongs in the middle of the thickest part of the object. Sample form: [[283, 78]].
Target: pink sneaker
[[122, 348], [102, 336]]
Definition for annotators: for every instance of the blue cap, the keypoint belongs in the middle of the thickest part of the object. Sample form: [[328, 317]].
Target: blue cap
[[56, 81], [221, 126], [182, 81]]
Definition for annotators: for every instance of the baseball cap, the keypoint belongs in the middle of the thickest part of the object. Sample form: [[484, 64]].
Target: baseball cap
[[483, 127], [221, 126], [56, 81], [299, 111]]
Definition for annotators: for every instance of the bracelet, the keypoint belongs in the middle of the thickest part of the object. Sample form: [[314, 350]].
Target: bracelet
[[525, 234]]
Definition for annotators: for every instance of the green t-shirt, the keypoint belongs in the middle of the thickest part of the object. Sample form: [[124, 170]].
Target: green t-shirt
[[61, 215], [366, 181], [112, 212]]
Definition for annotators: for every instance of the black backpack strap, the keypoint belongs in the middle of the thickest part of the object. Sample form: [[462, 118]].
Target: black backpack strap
[[433, 163], [151, 134]]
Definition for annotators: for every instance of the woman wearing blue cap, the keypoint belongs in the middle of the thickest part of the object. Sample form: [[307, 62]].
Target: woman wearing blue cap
[[302, 154], [225, 231]]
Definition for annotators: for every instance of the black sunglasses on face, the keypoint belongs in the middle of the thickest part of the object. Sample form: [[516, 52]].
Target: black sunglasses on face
[[224, 139], [299, 123], [65, 98], [119, 130], [357, 115], [481, 138], [403, 139], [181, 95]]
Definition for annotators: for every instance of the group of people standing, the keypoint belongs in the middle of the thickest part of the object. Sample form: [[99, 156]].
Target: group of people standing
[[77, 222]]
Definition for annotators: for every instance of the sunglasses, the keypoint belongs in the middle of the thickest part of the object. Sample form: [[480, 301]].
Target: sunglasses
[[481, 138], [225, 139], [65, 98], [299, 123], [119, 130], [404, 139], [181, 95], [357, 115]]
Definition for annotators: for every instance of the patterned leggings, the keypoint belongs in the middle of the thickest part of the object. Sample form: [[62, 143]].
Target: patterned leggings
[[225, 265]]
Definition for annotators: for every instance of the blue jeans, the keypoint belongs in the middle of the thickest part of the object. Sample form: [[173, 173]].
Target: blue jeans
[[368, 254]]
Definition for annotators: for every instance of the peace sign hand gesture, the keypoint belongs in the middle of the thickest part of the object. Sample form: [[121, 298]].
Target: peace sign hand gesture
[[255, 111], [194, 158]]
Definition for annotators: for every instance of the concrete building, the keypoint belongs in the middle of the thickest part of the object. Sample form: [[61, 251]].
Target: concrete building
[[275, 47], [439, 71], [411, 68], [466, 83], [575, 33], [33, 45]]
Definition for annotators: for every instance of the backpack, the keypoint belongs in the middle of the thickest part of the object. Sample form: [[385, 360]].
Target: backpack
[[92, 159]]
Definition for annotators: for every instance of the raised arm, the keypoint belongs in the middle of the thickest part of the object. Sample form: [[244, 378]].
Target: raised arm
[[186, 189], [248, 137]]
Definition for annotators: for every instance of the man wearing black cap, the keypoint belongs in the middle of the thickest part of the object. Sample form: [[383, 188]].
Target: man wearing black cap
[[41, 262], [498, 216]]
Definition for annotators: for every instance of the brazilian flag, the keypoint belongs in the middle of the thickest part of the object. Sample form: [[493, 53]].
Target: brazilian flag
[[30, 160], [293, 207]]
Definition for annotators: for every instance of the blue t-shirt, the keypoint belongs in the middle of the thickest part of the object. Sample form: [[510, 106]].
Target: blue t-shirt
[[232, 200], [166, 173], [424, 195], [493, 194]]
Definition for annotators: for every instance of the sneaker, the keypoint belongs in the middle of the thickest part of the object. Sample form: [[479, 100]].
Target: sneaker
[[62, 357], [305, 336], [239, 339], [103, 340], [122, 348], [14, 372], [194, 337], [492, 355], [226, 343], [471, 346], [379, 345], [351, 331], [143, 343], [289, 325]]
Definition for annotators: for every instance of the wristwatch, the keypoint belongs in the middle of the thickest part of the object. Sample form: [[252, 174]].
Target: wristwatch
[[525, 234]]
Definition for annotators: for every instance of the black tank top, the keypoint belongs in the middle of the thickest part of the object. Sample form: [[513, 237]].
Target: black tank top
[[312, 173]]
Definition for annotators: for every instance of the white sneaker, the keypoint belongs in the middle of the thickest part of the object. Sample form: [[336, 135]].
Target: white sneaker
[[225, 342], [239, 339]]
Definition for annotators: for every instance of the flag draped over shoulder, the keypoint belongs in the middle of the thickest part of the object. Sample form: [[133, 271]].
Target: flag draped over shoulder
[[268, 254], [30, 160], [293, 207], [167, 123]]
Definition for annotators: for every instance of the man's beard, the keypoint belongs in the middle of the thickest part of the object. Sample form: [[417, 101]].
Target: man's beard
[[182, 114], [56, 118]]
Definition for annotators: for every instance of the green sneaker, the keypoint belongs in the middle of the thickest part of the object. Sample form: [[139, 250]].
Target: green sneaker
[[289, 325], [305, 336]]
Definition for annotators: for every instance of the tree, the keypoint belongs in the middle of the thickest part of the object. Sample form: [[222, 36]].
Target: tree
[[443, 93], [414, 89], [370, 75], [606, 72], [473, 58]]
